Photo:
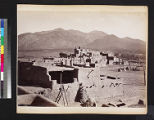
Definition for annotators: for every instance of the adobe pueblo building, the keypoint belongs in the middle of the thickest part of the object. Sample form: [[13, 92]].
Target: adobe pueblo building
[[62, 75]]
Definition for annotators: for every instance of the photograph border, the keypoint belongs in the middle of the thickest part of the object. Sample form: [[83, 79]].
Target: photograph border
[[76, 110]]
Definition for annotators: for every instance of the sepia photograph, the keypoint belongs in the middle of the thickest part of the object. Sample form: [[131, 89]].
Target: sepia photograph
[[77, 59]]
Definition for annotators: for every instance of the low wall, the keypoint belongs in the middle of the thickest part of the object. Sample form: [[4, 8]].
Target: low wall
[[98, 87], [32, 75]]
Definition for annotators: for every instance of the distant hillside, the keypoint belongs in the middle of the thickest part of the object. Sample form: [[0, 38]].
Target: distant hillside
[[112, 42], [63, 39]]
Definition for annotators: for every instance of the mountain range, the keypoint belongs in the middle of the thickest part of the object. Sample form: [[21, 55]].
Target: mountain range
[[69, 39]]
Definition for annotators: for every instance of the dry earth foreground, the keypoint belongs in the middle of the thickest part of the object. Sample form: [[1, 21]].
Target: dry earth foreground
[[105, 86]]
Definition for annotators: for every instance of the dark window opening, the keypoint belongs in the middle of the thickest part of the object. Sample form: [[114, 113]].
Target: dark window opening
[[64, 77]]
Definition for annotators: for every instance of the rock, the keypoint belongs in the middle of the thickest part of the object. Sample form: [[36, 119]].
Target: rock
[[119, 100], [104, 105], [122, 104], [110, 104], [141, 102], [89, 103]]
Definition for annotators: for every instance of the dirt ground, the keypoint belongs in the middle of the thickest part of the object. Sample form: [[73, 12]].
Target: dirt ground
[[133, 89]]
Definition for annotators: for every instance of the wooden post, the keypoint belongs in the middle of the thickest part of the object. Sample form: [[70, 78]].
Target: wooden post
[[61, 77], [144, 78], [61, 86]]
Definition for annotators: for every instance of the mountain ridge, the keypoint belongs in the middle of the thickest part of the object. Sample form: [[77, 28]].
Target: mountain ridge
[[60, 38]]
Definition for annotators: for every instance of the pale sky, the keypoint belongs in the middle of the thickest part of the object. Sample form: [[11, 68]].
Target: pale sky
[[120, 21]]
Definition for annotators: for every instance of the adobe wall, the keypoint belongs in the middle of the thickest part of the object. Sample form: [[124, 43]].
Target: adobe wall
[[98, 88], [29, 75]]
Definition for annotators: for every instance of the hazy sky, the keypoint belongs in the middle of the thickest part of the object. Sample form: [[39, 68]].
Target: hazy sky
[[123, 22]]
